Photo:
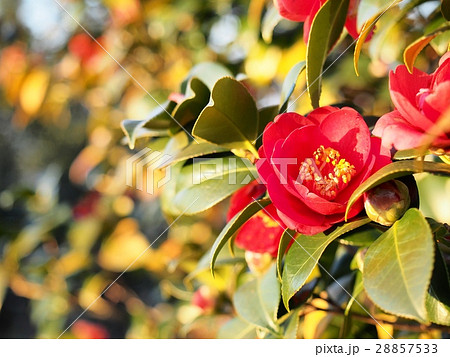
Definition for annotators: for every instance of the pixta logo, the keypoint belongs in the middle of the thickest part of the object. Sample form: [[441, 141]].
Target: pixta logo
[[145, 166]]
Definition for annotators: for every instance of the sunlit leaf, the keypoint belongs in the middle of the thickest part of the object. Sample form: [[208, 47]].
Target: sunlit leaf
[[289, 85], [194, 150], [304, 254], [257, 301], [196, 99], [412, 51], [398, 266], [207, 72], [326, 29], [438, 296], [271, 19], [208, 181], [233, 225], [395, 170], [286, 238], [231, 120], [237, 328]]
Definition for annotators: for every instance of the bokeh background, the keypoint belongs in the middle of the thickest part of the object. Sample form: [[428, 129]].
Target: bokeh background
[[69, 225]]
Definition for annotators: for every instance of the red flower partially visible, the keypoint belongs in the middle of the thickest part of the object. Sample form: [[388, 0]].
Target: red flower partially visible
[[420, 99], [311, 166], [261, 233], [306, 10], [85, 48], [89, 330]]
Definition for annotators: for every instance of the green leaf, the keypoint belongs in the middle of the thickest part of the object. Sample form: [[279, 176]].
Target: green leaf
[[398, 267], [270, 20], [237, 328], [395, 170], [286, 238], [157, 124], [232, 119], [266, 115], [438, 296], [304, 254], [233, 225], [445, 9], [326, 29], [190, 108], [368, 25], [208, 72], [361, 237], [292, 326], [358, 287], [209, 181], [194, 150], [257, 300], [289, 85]]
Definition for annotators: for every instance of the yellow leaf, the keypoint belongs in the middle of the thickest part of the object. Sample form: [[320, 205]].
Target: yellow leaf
[[412, 51], [124, 247], [32, 92]]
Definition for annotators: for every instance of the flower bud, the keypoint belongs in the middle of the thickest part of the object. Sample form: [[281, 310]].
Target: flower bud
[[258, 263], [387, 202]]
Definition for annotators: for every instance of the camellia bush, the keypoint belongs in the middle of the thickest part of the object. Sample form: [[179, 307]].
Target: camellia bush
[[324, 236]]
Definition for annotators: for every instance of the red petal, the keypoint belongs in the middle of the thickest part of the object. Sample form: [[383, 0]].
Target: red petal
[[291, 207], [437, 102], [404, 88], [257, 236], [349, 134], [243, 197], [396, 132]]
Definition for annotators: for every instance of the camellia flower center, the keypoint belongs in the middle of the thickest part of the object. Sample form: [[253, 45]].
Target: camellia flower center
[[326, 173]]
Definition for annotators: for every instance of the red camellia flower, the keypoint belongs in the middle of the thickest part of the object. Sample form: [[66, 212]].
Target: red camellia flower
[[261, 233], [305, 10], [420, 99], [311, 165]]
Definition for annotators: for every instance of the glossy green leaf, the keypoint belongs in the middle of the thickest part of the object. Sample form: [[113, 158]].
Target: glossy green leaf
[[438, 296], [197, 99], [207, 72], [236, 328], [231, 120], [266, 115], [257, 300], [292, 325], [286, 238], [289, 85], [445, 9], [156, 124], [358, 287], [326, 29], [194, 150], [270, 20], [395, 170], [398, 267], [233, 225], [361, 237], [209, 181], [304, 254]]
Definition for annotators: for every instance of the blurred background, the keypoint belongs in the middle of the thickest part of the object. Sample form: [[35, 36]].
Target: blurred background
[[69, 225]]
